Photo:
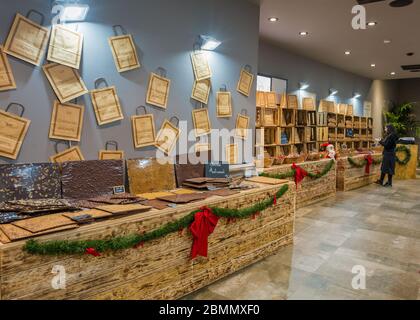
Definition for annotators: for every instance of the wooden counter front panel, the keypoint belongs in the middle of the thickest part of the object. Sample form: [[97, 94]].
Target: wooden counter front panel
[[161, 269]]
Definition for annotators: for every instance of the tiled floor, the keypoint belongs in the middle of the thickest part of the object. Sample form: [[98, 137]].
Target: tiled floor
[[374, 227]]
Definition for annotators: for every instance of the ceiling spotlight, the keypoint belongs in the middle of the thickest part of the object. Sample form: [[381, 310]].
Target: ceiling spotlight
[[356, 95], [303, 33], [387, 41], [273, 19], [209, 43], [372, 23], [333, 92], [303, 86], [393, 73], [347, 53], [74, 12], [373, 65]]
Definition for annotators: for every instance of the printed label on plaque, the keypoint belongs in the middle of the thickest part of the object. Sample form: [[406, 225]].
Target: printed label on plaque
[[201, 91], [7, 80], [106, 105], [261, 99], [245, 82], [111, 155], [65, 46], [292, 102], [66, 121], [201, 122], [242, 123], [124, 53], [232, 153], [167, 137], [224, 104], [143, 130], [13, 130], [65, 81], [158, 91], [271, 99], [27, 40], [200, 65], [71, 154]]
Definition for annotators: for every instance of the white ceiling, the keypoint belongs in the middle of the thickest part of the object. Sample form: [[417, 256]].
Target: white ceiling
[[331, 34]]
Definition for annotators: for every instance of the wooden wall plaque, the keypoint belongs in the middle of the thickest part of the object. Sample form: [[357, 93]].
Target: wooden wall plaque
[[106, 104], [232, 153], [245, 82], [65, 81], [65, 46], [292, 101], [271, 99], [224, 104], [13, 130], [66, 121], [27, 40], [71, 154], [261, 99], [200, 65], [201, 122], [158, 90], [201, 91], [124, 52], [242, 125], [7, 80], [167, 137], [143, 127]]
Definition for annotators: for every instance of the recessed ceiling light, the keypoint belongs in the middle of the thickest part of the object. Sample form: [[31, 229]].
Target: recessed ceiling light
[[393, 73], [303, 33], [387, 41], [273, 19], [373, 65], [372, 23], [347, 53]]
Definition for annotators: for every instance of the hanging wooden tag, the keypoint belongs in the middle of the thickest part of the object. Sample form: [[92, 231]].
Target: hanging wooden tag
[[232, 153], [143, 127], [201, 122], [201, 91], [242, 125], [13, 130], [246, 79], [65, 81], [66, 121], [111, 154], [70, 154], [123, 50], [27, 40], [106, 103], [158, 90], [7, 80], [167, 136], [271, 99], [65, 46], [223, 104], [261, 99], [292, 102], [200, 65]]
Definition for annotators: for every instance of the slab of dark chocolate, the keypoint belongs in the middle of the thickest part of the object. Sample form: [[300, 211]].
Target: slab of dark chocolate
[[29, 181], [184, 169], [89, 179]]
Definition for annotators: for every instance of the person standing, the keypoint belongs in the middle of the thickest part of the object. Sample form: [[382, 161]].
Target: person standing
[[389, 142]]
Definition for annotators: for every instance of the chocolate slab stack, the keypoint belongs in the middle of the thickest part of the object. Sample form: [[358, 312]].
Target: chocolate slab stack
[[206, 183]]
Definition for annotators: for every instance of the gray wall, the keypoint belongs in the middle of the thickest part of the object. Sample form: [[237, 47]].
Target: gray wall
[[164, 32], [277, 62]]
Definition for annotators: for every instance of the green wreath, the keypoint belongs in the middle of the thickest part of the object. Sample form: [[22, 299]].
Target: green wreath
[[55, 247], [407, 158]]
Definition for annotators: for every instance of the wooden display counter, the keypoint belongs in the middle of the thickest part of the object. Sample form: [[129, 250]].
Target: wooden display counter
[[407, 171], [351, 177], [159, 269], [310, 190]]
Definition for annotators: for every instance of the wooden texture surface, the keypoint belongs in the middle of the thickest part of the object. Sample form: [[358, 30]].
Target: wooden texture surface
[[309, 190], [408, 171], [162, 268], [349, 177]]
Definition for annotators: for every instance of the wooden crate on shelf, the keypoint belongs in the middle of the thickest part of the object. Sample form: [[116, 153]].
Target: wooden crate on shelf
[[285, 136], [349, 122], [332, 134], [370, 123], [301, 118], [292, 101], [349, 110], [332, 120], [322, 134], [340, 121], [310, 134], [322, 119], [341, 108], [363, 122], [311, 118], [326, 106], [308, 104], [271, 100], [259, 117], [260, 99], [287, 117], [340, 134], [298, 135], [356, 122], [270, 136], [270, 117]]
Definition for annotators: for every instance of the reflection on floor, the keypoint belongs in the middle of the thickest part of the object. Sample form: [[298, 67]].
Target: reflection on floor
[[374, 227]]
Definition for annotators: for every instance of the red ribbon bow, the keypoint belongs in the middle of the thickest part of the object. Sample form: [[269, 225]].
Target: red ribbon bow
[[93, 252], [300, 173], [369, 161], [205, 222]]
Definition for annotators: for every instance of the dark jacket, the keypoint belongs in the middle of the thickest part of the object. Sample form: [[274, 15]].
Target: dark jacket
[[388, 163]]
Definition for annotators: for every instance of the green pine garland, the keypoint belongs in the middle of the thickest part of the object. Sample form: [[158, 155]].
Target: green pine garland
[[291, 173], [126, 242], [407, 158], [363, 163]]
